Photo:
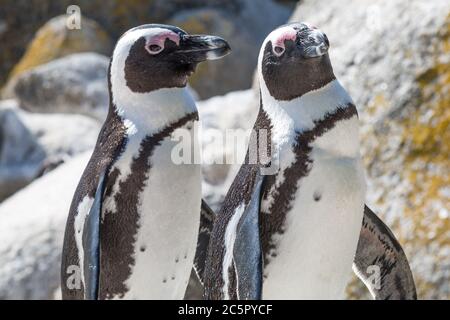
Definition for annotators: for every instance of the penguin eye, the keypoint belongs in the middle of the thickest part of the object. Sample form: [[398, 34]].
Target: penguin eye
[[278, 51], [154, 49]]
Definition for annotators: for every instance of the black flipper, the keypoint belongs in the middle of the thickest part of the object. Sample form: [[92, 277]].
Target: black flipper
[[247, 252], [204, 233], [91, 244], [379, 250]]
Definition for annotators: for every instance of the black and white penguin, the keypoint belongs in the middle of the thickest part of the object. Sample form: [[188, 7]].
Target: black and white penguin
[[289, 227], [134, 220]]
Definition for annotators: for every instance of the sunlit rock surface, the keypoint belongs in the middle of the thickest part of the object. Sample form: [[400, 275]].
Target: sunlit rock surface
[[54, 40], [21, 156], [32, 144], [31, 233], [393, 57], [243, 22], [223, 119], [76, 83]]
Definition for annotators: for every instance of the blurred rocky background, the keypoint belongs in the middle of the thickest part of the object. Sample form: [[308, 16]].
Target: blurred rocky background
[[393, 56]]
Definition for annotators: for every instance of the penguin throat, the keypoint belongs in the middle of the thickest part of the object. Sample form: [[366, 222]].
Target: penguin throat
[[287, 81], [150, 112], [302, 112]]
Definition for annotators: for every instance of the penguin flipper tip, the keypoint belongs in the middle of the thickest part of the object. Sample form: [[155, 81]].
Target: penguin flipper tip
[[247, 252], [91, 243], [378, 249], [207, 217]]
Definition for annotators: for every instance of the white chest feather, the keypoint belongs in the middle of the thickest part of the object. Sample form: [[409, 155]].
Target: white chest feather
[[165, 244], [169, 210], [168, 203], [313, 257]]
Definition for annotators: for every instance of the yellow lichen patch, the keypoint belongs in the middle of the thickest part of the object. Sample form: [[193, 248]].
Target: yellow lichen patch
[[408, 157], [356, 290], [378, 103], [426, 139], [55, 40]]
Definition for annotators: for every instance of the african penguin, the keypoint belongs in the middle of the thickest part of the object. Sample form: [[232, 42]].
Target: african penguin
[[134, 219], [289, 227]]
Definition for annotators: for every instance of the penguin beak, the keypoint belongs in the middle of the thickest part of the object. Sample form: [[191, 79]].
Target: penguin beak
[[312, 43], [198, 48]]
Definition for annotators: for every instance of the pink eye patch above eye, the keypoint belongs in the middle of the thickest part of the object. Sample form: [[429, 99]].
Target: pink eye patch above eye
[[161, 37], [283, 34]]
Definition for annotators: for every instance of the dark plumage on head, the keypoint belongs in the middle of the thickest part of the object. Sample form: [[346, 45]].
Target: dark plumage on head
[[155, 56], [294, 60]]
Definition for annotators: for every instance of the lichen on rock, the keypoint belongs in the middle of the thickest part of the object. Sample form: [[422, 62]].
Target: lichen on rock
[[55, 40], [393, 57]]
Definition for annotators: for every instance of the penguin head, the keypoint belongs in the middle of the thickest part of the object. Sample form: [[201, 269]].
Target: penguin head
[[294, 60], [153, 56]]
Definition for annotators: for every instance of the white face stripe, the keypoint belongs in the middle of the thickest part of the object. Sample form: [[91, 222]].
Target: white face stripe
[[120, 54], [150, 34], [273, 37], [159, 40], [145, 112]]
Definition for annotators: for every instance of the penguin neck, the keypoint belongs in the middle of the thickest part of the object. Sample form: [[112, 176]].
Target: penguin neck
[[302, 113], [151, 112]]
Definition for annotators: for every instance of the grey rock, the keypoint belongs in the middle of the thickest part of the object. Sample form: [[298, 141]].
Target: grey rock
[[378, 47], [393, 57], [21, 155], [55, 40], [31, 233], [74, 84], [22, 19], [231, 112], [33, 144], [62, 136]]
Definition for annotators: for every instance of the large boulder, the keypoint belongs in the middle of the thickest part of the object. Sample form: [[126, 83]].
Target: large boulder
[[54, 40], [21, 19], [243, 22], [34, 144], [31, 233], [393, 57], [21, 156], [62, 136], [74, 84]]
